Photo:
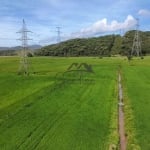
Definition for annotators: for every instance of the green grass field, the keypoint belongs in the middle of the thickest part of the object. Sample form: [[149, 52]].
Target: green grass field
[[37, 114], [137, 85]]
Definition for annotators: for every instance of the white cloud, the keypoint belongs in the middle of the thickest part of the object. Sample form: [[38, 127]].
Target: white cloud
[[44, 36], [144, 12], [102, 26]]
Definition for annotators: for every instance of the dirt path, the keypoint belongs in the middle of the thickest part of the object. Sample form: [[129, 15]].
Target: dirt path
[[123, 140]]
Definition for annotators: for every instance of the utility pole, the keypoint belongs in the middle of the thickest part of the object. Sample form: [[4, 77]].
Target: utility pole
[[136, 47], [58, 34], [24, 65]]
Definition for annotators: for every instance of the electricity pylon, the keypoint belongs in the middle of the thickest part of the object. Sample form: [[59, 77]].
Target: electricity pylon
[[58, 34], [136, 47], [24, 65]]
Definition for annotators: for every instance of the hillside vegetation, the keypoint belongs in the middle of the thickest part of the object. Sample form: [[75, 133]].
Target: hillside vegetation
[[98, 46]]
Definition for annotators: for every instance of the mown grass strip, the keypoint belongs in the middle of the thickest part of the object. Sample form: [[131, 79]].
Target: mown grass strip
[[130, 117]]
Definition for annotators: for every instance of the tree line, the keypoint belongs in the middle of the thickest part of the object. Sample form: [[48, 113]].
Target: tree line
[[107, 45], [98, 46]]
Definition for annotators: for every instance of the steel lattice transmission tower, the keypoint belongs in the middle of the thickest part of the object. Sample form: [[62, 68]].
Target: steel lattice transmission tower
[[24, 65], [58, 34], [136, 47]]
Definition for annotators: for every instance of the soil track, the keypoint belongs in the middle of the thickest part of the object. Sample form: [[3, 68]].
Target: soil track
[[123, 140]]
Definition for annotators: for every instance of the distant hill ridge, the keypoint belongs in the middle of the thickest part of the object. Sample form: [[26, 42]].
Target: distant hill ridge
[[13, 51], [19, 47], [97, 46]]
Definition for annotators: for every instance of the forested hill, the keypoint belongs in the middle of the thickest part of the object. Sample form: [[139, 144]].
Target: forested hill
[[98, 46]]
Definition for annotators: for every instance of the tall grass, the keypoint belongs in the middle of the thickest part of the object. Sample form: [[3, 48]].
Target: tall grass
[[37, 114], [137, 85]]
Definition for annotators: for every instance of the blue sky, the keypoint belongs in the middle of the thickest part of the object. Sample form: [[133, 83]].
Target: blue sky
[[77, 18]]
